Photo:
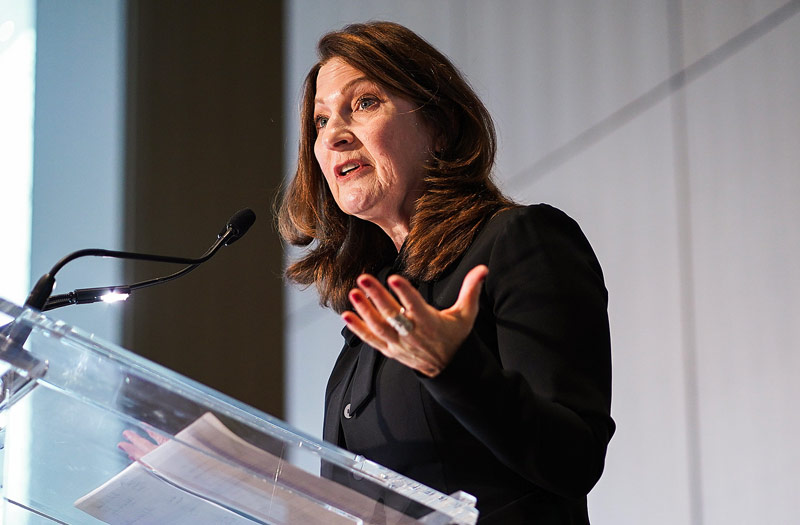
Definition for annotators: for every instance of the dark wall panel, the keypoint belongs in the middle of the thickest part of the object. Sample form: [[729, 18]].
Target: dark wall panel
[[204, 139]]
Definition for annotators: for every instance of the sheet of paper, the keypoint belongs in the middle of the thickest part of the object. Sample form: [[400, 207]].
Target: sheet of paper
[[207, 470], [137, 497]]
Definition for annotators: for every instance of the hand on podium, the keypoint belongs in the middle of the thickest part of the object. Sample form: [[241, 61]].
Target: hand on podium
[[137, 446]]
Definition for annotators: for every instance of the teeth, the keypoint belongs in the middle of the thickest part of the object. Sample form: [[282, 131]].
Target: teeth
[[347, 168]]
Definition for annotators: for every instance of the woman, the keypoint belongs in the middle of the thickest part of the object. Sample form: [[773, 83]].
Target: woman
[[477, 353]]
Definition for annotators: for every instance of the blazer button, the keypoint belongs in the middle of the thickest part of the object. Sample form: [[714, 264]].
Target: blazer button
[[347, 413]]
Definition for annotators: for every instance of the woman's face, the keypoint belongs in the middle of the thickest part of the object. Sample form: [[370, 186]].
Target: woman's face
[[371, 146]]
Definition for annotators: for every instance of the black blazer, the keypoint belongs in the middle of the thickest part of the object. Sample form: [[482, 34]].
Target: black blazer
[[521, 416]]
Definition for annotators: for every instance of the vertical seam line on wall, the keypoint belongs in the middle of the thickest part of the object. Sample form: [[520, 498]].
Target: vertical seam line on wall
[[683, 210], [130, 165]]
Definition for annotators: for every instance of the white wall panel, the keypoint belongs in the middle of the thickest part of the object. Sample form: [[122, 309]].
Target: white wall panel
[[550, 70], [708, 24], [744, 125], [78, 151]]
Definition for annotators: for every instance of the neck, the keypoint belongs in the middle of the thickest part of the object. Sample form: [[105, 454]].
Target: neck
[[398, 226], [397, 233]]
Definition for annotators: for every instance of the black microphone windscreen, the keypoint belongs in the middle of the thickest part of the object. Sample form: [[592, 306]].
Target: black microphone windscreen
[[240, 223]]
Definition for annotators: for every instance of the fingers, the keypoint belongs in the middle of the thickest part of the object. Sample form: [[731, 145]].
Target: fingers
[[470, 293], [371, 325], [129, 449], [137, 446], [389, 344], [137, 440], [383, 301], [360, 328], [377, 306], [159, 438], [408, 295]]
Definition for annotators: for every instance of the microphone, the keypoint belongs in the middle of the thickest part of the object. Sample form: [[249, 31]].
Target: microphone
[[234, 230], [14, 335], [237, 226]]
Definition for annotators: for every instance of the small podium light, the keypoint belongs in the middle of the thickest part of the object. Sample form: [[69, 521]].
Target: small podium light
[[110, 294], [114, 297]]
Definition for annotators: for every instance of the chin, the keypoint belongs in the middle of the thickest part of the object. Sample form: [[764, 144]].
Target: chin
[[359, 209]]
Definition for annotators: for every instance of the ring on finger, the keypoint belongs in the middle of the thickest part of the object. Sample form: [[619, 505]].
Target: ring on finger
[[402, 324]]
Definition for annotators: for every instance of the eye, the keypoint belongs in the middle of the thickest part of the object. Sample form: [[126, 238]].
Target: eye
[[320, 121], [366, 102]]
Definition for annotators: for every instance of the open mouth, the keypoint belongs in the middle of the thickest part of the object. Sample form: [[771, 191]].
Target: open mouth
[[347, 168]]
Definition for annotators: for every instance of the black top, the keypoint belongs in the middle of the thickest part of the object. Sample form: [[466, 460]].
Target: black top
[[520, 418]]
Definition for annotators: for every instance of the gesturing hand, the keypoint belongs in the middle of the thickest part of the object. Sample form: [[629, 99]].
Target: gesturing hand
[[434, 335]]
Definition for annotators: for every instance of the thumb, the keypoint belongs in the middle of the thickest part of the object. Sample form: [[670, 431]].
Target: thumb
[[470, 293]]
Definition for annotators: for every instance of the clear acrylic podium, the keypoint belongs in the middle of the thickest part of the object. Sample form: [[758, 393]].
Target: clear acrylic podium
[[67, 396]]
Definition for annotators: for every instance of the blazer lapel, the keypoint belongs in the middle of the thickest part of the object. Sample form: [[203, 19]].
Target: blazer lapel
[[337, 386], [356, 365], [363, 378]]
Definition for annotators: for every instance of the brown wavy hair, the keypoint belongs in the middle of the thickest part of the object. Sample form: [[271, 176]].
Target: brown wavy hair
[[458, 194]]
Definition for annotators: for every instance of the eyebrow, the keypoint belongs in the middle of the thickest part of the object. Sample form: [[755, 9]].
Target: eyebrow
[[346, 87]]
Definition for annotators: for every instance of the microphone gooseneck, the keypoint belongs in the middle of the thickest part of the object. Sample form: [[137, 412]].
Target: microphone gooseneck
[[235, 229]]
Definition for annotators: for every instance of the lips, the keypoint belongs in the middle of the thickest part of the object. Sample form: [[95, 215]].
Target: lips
[[349, 167]]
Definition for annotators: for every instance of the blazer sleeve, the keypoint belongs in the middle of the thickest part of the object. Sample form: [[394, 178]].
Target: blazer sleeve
[[532, 381]]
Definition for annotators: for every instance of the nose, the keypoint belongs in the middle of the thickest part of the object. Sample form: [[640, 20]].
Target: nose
[[337, 134]]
